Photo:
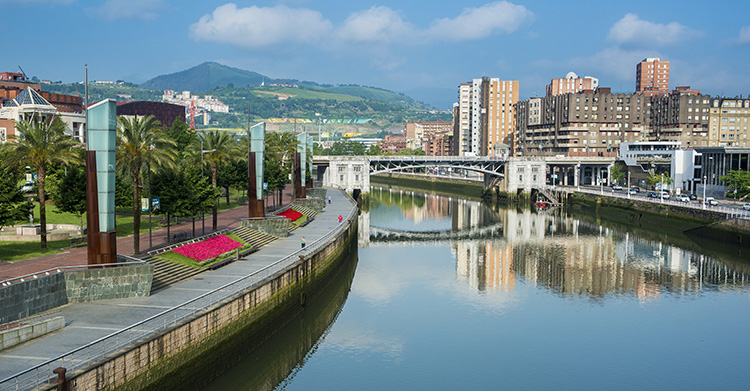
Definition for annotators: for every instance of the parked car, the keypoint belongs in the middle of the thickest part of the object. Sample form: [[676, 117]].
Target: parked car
[[636, 189], [631, 191], [684, 198], [616, 187], [652, 194], [711, 201], [664, 194], [746, 206], [27, 187], [692, 196]]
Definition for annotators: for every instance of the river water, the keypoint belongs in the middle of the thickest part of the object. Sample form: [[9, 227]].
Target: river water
[[451, 294]]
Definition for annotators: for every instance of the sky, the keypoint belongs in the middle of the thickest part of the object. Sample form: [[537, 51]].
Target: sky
[[424, 49]]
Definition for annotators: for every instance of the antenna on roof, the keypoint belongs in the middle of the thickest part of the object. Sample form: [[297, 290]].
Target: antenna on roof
[[24, 73]]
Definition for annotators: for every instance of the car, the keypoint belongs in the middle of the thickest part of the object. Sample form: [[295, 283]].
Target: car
[[664, 194], [684, 198], [27, 187], [616, 187], [711, 201], [746, 206], [631, 191], [636, 189], [692, 196], [652, 194]]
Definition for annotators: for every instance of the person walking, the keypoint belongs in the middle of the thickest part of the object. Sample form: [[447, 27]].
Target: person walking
[[303, 242], [329, 199], [340, 219]]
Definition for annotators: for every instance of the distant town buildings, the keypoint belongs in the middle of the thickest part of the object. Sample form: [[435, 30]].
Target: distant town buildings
[[728, 121], [393, 143], [432, 137], [205, 103], [571, 83], [652, 76]]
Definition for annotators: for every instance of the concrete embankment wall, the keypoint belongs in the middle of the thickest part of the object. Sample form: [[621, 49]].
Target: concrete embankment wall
[[189, 355], [438, 184]]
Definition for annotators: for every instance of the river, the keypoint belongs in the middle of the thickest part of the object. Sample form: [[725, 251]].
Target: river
[[452, 294]]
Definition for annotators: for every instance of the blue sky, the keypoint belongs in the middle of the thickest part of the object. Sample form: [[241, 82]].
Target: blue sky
[[422, 48]]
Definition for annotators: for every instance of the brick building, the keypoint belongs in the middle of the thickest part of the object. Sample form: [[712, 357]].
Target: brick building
[[652, 76], [572, 83]]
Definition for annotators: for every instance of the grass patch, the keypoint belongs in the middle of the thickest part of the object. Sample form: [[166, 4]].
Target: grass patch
[[18, 251], [183, 260], [299, 221]]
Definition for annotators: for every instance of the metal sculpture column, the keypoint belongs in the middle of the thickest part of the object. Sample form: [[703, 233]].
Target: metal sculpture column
[[255, 205], [310, 143], [300, 164], [100, 182]]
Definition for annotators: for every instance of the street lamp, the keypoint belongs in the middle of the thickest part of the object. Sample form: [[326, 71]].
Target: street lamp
[[704, 192], [203, 219], [628, 183]]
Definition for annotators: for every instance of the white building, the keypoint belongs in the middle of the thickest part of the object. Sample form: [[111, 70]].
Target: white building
[[29, 102]]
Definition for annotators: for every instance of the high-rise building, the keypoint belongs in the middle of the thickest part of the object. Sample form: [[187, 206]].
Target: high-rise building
[[485, 117], [681, 115], [652, 76], [571, 83]]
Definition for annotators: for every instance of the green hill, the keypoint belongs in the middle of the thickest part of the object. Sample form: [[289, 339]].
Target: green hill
[[205, 77]]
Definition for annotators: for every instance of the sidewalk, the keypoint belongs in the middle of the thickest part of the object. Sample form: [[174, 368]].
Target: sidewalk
[[78, 256], [87, 322]]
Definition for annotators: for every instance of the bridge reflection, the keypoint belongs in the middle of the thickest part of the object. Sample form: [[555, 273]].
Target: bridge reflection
[[496, 249]]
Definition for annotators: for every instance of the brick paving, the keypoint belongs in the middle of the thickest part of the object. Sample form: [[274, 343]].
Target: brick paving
[[78, 256]]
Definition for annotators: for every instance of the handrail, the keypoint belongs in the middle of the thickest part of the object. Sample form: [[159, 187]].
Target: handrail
[[32, 378], [58, 269]]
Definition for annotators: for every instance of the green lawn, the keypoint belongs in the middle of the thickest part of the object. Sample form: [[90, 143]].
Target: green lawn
[[124, 223], [17, 251], [299, 221]]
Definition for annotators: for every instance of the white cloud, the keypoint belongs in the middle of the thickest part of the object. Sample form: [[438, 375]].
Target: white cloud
[[636, 32], [127, 9], [477, 23], [378, 24], [744, 37], [255, 27]]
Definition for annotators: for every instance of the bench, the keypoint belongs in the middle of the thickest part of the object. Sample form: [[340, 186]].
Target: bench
[[78, 242], [232, 259], [180, 237]]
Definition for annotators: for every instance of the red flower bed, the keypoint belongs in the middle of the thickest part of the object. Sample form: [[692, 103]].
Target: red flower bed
[[290, 214], [209, 248]]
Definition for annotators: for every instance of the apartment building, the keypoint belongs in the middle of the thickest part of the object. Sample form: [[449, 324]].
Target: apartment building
[[681, 116], [652, 76], [417, 133], [571, 83], [484, 120], [728, 122], [590, 123]]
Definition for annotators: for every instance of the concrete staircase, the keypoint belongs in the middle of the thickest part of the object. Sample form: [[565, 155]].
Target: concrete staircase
[[255, 238], [552, 200]]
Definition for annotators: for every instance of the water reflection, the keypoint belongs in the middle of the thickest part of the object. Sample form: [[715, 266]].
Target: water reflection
[[547, 249]]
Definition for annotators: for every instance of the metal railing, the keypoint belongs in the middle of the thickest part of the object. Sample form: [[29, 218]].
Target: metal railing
[[729, 212], [42, 373]]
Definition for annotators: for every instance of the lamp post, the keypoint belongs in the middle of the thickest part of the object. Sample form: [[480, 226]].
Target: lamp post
[[628, 183], [704, 192], [661, 188], [203, 219]]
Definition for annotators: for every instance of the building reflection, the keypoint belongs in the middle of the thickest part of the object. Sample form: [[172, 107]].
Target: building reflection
[[566, 255]]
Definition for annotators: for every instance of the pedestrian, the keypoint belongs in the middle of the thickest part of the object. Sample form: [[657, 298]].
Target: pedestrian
[[329, 199], [340, 219], [303, 242]]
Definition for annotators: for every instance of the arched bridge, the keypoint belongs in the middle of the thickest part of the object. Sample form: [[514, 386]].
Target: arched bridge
[[379, 234], [487, 165]]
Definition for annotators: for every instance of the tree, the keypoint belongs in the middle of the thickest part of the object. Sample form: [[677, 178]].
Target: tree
[[181, 134], [374, 150], [13, 205], [658, 179], [70, 193], [222, 148], [141, 145], [411, 152], [738, 181], [41, 142], [616, 173]]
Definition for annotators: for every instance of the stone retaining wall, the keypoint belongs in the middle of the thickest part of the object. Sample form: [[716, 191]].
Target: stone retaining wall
[[35, 295], [278, 227], [316, 192], [316, 204], [21, 334]]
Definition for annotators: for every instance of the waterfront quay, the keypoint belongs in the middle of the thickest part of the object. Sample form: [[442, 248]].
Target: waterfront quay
[[96, 330]]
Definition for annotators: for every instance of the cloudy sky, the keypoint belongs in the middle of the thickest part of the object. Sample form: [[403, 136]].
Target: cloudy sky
[[422, 48]]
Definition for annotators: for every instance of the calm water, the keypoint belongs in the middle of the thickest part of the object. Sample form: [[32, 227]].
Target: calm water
[[449, 294]]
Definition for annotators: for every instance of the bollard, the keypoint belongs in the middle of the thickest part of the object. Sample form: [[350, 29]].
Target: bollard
[[61, 381]]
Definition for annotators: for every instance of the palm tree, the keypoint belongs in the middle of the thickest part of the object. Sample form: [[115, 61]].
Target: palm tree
[[219, 147], [40, 143], [141, 145]]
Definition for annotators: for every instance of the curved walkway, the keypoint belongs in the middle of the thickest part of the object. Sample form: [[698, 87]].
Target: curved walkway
[[87, 322]]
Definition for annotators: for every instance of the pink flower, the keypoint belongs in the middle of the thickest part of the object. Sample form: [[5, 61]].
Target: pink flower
[[290, 214], [209, 248]]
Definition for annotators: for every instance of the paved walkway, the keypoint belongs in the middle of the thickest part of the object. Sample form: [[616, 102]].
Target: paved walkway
[[87, 322], [77, 256]]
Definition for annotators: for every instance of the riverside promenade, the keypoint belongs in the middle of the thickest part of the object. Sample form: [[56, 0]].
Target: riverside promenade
[[89, 322]]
